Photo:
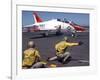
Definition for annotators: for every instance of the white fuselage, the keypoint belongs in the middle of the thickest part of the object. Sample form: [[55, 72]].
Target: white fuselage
[[52, 25]]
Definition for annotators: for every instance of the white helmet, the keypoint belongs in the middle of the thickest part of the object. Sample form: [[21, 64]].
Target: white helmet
[[65, 38], [31, 44]]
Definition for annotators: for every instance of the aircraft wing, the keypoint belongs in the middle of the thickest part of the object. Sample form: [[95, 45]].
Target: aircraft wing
[[31, 25]]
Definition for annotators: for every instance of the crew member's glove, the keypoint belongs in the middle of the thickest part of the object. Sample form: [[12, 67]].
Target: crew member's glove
[[80, 42]]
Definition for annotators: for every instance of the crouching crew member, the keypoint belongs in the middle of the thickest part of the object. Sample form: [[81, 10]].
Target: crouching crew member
[[61, 50], [31, 56]]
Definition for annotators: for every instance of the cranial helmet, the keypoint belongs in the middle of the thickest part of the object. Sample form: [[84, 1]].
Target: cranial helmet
[[65, 38], [31, 44]]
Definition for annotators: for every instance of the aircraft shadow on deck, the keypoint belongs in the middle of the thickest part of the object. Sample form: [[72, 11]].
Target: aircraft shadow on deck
[[41, 36], [54, 35]]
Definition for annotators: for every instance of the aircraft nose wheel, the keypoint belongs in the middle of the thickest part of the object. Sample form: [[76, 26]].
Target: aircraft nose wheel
[[73, 35]]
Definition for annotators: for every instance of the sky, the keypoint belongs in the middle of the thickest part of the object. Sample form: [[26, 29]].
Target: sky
[[78, 18]]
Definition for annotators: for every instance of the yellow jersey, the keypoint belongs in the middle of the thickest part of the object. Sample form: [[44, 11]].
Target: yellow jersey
[[61, 46], [30, 57]]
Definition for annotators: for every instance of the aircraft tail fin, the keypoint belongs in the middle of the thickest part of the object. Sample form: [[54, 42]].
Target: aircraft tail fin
[[37, 19]]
